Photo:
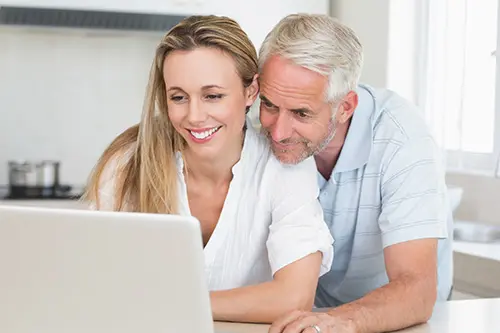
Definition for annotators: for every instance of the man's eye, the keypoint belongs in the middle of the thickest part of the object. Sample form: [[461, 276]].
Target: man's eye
[[301, 114], [267, 104]]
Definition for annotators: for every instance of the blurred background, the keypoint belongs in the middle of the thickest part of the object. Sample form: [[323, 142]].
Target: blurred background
[[73, 76]]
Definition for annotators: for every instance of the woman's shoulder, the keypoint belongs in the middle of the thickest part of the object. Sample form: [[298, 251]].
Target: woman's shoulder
[[256, 141], [118, 160], [261, 156]]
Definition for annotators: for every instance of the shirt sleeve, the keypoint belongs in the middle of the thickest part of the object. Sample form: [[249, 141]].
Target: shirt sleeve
[[413, 194], [298, 227]]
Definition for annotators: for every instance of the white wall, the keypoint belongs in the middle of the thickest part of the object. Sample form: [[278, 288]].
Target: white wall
[[403, 57], [386, 29], [65, 95], [370, 21]]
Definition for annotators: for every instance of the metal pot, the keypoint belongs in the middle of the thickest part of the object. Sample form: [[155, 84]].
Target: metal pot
[[42, 174]]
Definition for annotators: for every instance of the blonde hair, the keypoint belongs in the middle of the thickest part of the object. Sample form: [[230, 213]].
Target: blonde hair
[[319, 43], [147, 181]]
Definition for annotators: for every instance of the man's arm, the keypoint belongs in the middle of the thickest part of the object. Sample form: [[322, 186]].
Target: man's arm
[[408, 299], [292, 288], [413, 218]]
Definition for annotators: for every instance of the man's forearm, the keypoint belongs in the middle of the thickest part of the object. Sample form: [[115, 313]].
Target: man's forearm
[[261, 303], [401, 303]]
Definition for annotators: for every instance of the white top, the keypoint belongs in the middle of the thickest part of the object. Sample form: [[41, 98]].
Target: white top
[[271, 217]]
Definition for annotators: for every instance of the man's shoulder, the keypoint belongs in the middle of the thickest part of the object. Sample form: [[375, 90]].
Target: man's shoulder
[[395, 117]]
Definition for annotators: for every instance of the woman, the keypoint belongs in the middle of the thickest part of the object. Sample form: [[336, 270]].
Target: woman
[[265, 242]]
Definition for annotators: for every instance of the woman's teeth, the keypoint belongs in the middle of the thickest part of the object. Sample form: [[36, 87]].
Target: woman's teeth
[[204, 135]]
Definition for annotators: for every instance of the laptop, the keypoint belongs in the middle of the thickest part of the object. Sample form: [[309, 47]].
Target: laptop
[[78, 271]]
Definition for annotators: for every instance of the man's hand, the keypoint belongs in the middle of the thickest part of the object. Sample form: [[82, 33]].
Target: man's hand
[[408, 298], [303, 322]]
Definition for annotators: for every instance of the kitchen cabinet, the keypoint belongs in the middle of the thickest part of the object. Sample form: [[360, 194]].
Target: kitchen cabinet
[[256, 17], [137, 6], [273, 9]]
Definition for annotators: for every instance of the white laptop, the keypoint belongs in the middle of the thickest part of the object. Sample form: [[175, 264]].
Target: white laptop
[[76, 271]]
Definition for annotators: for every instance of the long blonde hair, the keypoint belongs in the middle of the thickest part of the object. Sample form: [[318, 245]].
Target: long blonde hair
[[147, 181]]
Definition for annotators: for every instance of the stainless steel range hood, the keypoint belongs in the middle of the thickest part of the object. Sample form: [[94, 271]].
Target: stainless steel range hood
[[86, 19]]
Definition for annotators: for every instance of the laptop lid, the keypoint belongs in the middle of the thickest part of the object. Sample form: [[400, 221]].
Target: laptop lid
[[77, 271]]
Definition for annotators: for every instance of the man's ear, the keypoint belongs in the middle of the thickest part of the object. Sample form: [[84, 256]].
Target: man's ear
[[347, 107], [252, 91]]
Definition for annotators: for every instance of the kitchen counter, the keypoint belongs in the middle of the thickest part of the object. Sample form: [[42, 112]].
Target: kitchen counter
[[469, 316], [489, 251], [477, 268], [48, 203]]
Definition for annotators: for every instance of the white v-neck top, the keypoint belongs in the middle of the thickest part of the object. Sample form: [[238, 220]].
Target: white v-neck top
[[271, 217]]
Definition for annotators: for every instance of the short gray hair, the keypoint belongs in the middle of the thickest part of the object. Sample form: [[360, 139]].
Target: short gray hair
[[319, 43]]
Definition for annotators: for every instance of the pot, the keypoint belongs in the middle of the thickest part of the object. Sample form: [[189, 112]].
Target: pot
[[34, 174], [33, 179]]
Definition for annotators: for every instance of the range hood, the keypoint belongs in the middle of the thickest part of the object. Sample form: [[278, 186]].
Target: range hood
[[86, 19]]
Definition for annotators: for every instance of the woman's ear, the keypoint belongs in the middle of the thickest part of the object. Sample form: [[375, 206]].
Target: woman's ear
[[252, 91]]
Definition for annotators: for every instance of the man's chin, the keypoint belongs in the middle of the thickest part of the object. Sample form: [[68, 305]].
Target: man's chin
[[288, 157]]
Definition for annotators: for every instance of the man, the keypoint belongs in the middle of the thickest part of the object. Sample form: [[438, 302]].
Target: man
[[382, 186]]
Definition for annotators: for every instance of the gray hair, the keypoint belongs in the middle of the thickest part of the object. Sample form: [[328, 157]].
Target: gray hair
[[319, 43]]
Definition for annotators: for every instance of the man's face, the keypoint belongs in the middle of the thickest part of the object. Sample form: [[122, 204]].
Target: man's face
[[294, 111]]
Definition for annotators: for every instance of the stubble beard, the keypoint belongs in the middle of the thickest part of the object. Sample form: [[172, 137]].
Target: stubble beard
[[309, 150]]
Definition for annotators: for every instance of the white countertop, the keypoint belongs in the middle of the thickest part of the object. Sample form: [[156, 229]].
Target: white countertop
[[49, 203], [468, 316], [484, 250]]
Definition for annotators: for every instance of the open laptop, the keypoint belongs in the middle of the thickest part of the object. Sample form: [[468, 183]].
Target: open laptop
[[77, 271]]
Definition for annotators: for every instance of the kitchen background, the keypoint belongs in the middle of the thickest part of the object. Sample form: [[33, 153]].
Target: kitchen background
[[65, 93]]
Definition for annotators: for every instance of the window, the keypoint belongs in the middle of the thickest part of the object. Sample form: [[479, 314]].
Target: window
[[459, 81]]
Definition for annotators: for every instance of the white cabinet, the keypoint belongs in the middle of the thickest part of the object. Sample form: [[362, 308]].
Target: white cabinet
[[135, 6], [256, 17]]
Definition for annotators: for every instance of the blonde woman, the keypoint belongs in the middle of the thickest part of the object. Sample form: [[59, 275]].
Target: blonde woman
[[265, 240]]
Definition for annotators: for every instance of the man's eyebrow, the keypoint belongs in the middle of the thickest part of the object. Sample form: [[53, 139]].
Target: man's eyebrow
[[266, 100], [302, 110], [297, 110]]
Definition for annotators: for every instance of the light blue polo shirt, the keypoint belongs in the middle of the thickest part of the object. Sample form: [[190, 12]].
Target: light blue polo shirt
[[387, 187]]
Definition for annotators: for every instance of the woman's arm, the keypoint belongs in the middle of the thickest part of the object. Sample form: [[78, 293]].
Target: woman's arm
[[293, 288], [299, 247]]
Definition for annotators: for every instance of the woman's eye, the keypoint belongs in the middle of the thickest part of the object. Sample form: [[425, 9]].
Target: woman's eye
[[176, 98], [214, 96]]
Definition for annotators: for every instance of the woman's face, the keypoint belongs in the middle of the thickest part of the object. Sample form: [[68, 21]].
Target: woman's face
[[206, 99]]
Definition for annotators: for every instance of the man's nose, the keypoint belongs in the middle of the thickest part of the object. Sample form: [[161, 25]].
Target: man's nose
[[282, 128]]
